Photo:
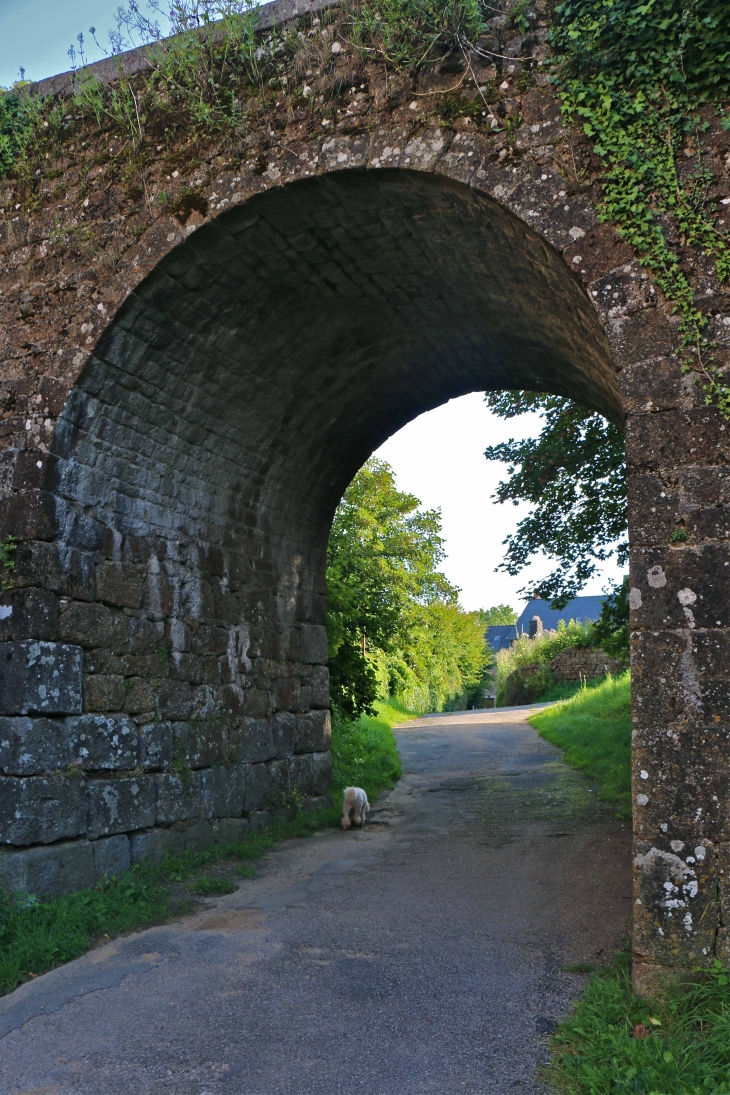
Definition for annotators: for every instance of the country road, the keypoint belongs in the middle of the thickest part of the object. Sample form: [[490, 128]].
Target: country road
[[421, 955]]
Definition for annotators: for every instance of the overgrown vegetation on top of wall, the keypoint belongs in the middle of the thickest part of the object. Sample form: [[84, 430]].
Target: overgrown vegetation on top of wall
[[526, 653]]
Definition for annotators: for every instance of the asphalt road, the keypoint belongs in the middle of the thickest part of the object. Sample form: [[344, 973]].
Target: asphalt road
[[421, 955]]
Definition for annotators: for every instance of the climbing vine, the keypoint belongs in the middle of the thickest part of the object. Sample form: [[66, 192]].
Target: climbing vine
[[643, 79]]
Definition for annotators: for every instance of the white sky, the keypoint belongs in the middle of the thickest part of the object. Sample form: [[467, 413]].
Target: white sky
[[439, 456]]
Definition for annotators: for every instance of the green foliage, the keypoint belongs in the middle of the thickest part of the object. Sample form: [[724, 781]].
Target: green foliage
[[36, 936], [7, 563], [18, 121], [498, 614], [516, 679], [573, 475], [593, 728], [364, 751], [611, 629], [636, 75], [686, 1050], [410, 34], [393, 623]]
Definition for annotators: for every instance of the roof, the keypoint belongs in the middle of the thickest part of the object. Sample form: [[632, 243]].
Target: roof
[[501, 636], [580, 609]]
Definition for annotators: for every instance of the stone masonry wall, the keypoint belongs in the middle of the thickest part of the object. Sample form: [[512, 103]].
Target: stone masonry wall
[[584, 663], [196, 359]]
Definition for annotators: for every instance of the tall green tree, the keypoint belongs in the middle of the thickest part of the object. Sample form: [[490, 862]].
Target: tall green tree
[[573, 475], [393, 619]]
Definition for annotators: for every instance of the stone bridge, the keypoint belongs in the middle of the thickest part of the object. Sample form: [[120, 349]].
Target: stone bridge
[[191, 378]]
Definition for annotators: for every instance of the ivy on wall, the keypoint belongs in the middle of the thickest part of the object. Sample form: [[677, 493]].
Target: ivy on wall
[[640, 78]]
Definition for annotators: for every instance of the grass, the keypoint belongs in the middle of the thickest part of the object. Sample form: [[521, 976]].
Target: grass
[[593, 728], [364, 753], [36, 936], [685, 1048]]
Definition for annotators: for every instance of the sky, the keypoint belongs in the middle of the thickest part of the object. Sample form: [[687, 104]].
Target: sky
[[439, 456]]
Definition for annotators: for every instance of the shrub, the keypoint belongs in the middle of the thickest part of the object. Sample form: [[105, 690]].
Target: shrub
[[526, 652]]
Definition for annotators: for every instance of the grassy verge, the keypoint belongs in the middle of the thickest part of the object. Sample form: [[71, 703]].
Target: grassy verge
[[36, 936], [593, 728], [364, 753], [684, 1048]]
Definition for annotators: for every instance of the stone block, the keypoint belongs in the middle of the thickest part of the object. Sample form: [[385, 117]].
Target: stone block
[[223, 790], [104, 693], [286, 692], [139, 696], [30, 747], [28, 614], [680, 588], [258, 788], [311, 773], [177, 797], [313, 644], [37, 564], [675, 890], [39, 677], [174, 699], [230, 830], [320, 684], [111, 857], [51, 869], [284, 730], [88, 625], [31, 515], [155, 745], [102, 742], [199, 745], [41, 809], [314, 732], [152, 845], [250, 741], [120, 805], [198, 836], [119, 584]]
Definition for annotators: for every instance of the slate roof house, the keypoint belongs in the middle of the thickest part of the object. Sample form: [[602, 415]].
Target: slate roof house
[[581, 609]]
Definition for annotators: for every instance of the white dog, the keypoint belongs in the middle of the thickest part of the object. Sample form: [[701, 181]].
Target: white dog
[[356, 800]]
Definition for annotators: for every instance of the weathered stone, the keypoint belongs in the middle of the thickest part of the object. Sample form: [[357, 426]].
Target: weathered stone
[[198, 745], [198, 836], [39, 677], [284, 729], [223, 790], [174, 699], [152, 845], [258, 788], [30, 747], [111, 857], [313, 644], [177, 797], [102, 741], [250, 740], [311, 773], [51, 869], [314, 732], [28, 613], [119, 584], [104, 693], [320, 684], [120, 805], [156, 745], [41, 809], [230, 830], [88, 625]]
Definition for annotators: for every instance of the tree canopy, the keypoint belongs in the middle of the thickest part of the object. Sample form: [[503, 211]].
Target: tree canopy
[[573, 474], [393, 619]]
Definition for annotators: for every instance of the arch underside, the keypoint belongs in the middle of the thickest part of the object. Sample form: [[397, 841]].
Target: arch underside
[[249, 376]]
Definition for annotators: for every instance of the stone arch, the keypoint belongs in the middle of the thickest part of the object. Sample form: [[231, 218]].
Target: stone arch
[[173, 528]]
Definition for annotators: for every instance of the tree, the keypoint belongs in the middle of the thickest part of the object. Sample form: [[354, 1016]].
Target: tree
[[497, 615], [573, 474], [382, 556], [394, 625]]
